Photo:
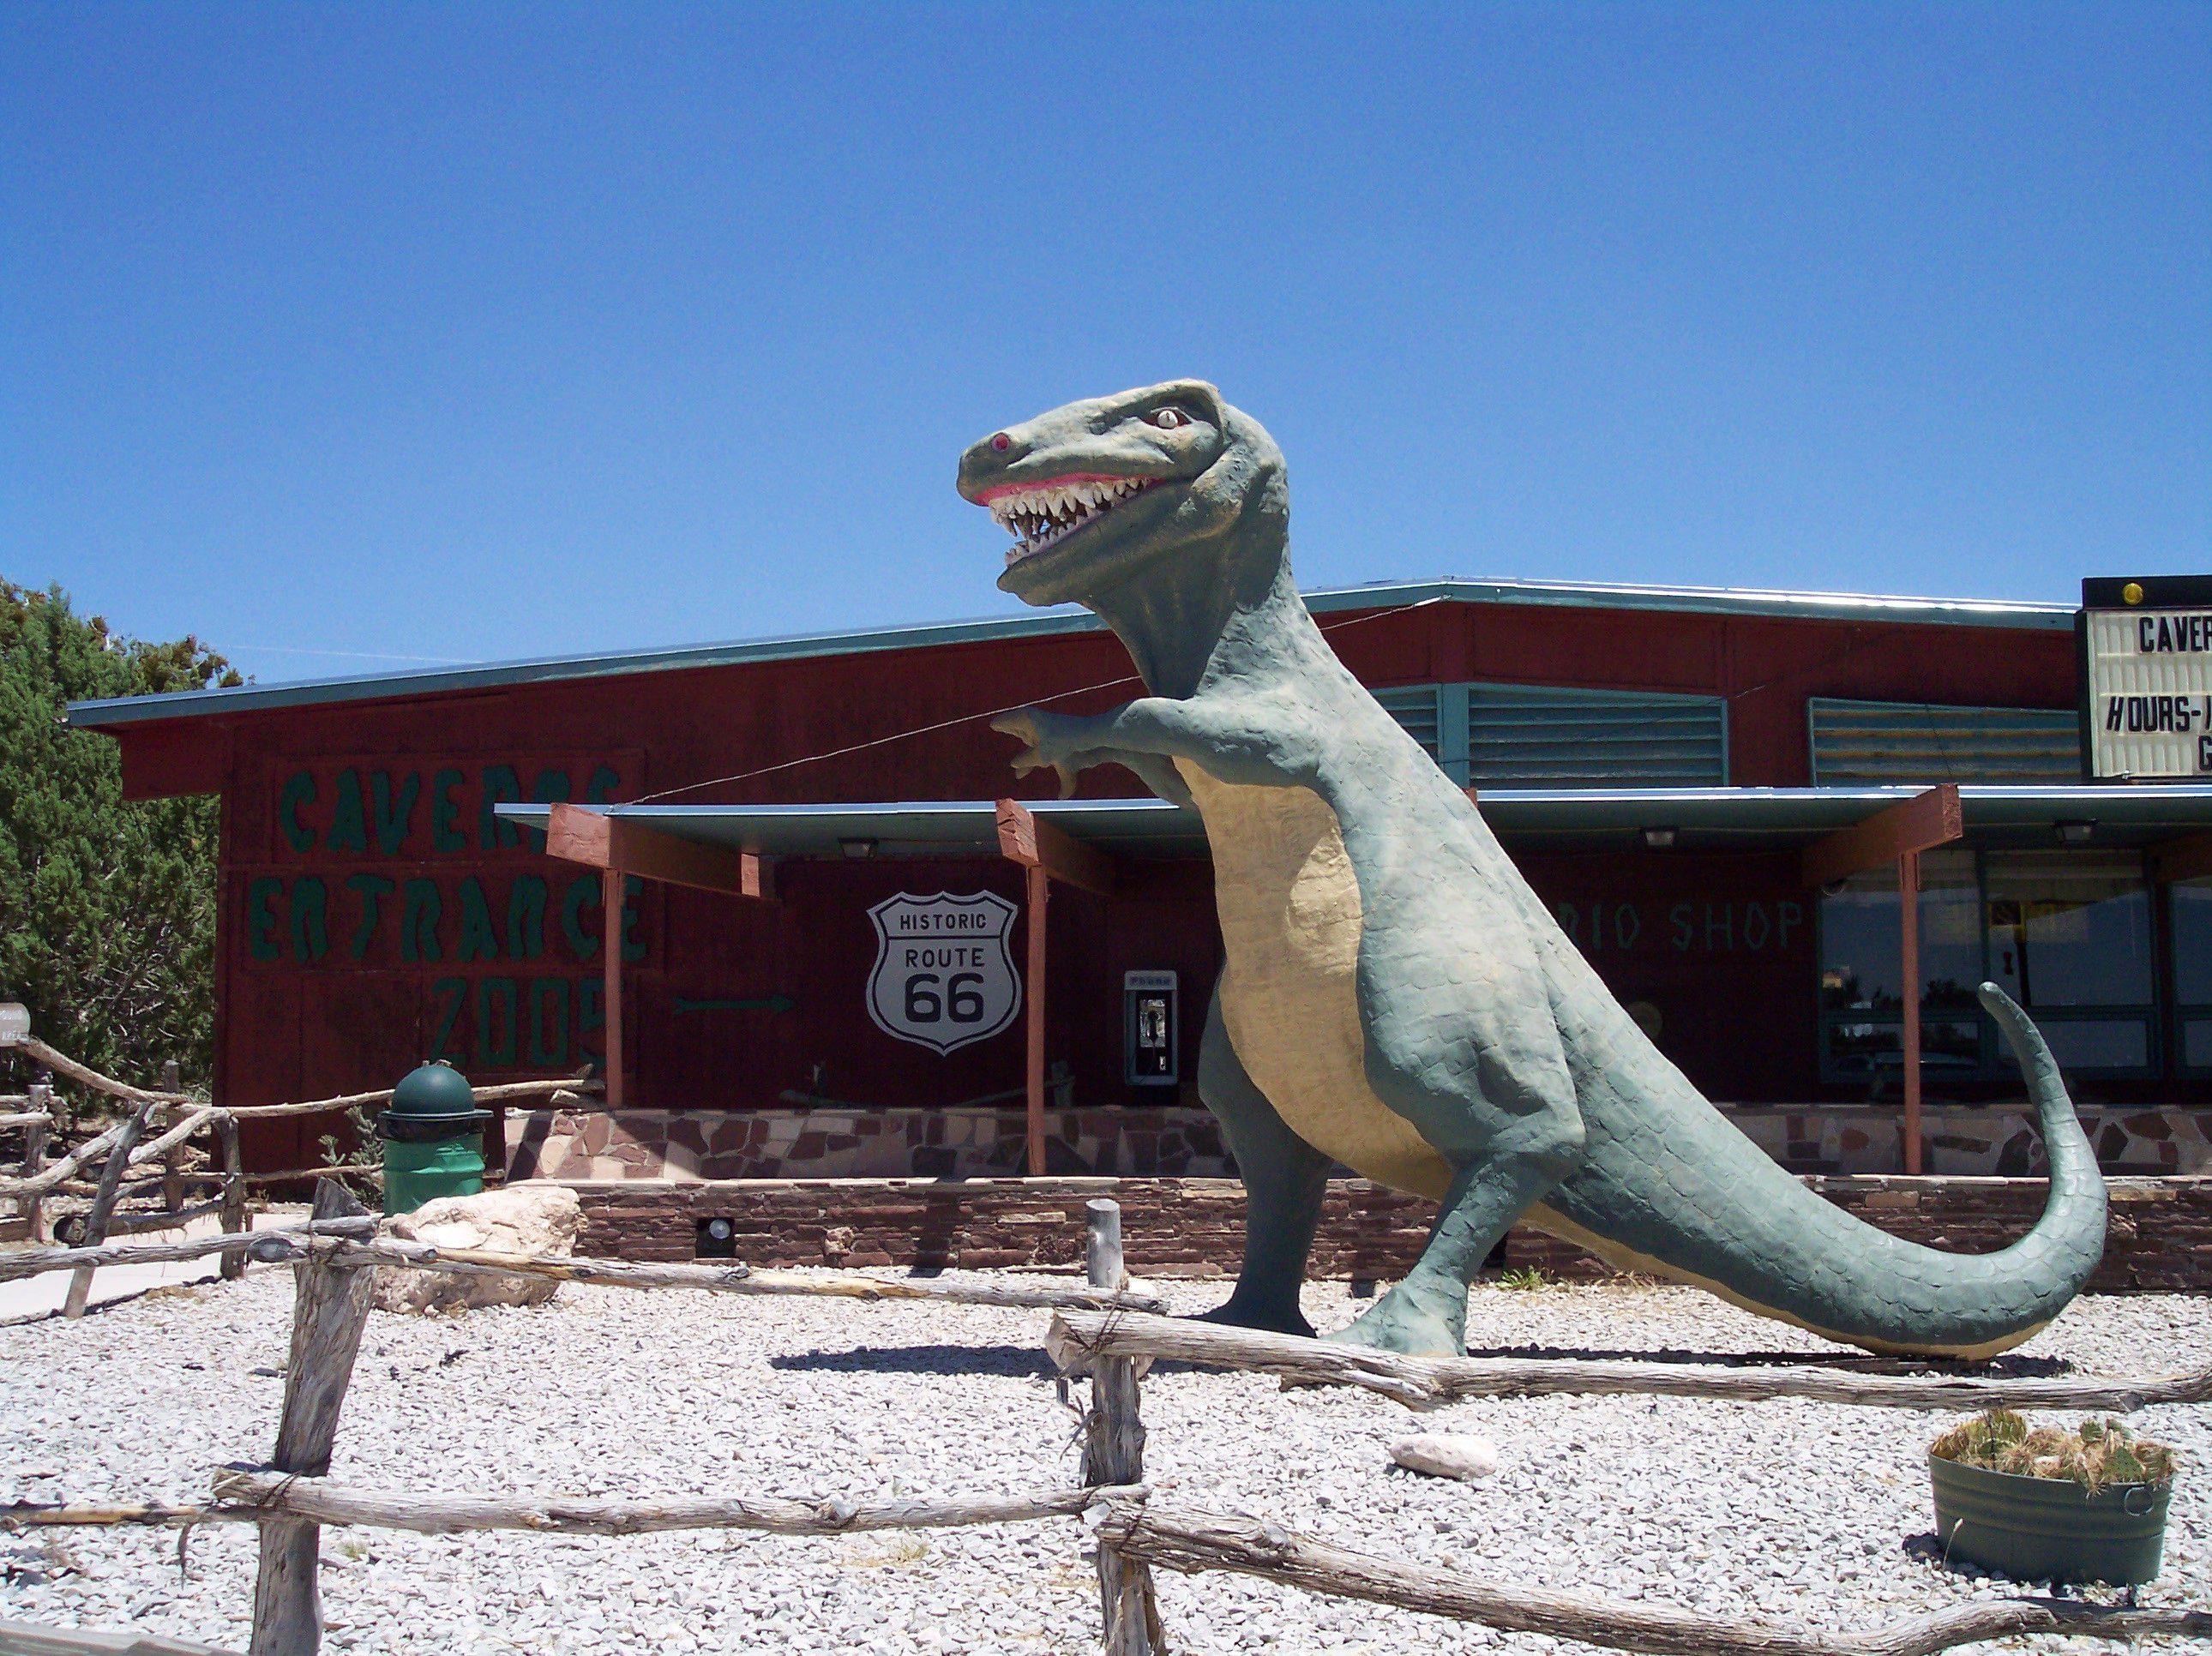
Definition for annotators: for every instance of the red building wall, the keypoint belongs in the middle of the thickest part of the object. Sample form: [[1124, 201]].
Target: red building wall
[[373, 913]]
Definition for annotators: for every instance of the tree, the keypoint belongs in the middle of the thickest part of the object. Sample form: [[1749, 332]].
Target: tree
[[106, 908]]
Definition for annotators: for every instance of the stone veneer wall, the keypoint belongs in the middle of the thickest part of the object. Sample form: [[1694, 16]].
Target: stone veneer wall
[[1185, 1143], [2160, 1235]]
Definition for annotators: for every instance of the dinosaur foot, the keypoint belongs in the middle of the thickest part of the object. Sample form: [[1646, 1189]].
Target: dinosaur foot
[[1412, 1324], [1269, 1316]]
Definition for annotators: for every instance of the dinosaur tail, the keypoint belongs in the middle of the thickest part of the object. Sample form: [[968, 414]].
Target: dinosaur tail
[[1675, 1190]]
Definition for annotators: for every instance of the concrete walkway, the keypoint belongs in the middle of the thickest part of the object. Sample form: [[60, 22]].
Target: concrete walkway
[[33, 1297]]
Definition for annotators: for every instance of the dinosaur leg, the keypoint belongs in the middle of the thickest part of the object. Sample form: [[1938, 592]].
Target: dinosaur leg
[[1425, 1315], [1284, 1180]]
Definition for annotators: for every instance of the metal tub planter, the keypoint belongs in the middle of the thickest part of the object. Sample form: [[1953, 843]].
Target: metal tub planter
[[2092, 1509]]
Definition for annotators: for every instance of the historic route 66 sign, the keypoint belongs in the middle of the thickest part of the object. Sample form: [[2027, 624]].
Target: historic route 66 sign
[[944, 975]]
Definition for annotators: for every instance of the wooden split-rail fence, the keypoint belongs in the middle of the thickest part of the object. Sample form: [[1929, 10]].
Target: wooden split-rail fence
[[1103, 1331], [164, 1172]]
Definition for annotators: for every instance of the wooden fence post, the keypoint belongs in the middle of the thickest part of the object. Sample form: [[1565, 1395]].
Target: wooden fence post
[[103, 1202], [233, 1193], [173, 1164], [33, 1206], [55, 1105], [330, 1305], [1113, 1453]]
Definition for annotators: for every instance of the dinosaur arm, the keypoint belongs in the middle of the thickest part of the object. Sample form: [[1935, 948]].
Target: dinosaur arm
[[1229, 743]]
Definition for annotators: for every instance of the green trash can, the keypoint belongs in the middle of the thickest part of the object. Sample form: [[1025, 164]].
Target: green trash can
[[433, 1138]]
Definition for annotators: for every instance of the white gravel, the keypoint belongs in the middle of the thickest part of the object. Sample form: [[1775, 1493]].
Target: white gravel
[[1787, 1510]]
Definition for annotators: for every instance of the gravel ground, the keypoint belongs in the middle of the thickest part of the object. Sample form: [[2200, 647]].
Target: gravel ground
[[1786, 1510]]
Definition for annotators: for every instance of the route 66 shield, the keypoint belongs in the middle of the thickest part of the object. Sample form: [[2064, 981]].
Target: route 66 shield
[[943, 976]]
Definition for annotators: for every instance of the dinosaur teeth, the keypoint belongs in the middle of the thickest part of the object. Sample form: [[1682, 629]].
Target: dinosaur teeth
[[1041, 517]]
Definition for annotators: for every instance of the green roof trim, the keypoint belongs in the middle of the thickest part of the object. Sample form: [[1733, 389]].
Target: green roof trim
[[1702, 818], [432, 681]]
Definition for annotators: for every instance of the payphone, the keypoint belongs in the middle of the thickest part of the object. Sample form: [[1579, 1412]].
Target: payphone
[[1150, 1029]]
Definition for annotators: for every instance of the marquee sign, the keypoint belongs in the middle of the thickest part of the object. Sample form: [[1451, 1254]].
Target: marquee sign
[[2147, 677], [943, 977]]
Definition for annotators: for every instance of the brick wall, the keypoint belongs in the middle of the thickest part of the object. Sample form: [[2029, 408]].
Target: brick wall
[[2159, 1239]]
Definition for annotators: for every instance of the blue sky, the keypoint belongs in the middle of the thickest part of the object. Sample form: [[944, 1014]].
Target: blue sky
[[476, 332]]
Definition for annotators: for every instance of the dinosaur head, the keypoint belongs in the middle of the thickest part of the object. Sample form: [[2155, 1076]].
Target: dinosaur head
[[1097, 493]]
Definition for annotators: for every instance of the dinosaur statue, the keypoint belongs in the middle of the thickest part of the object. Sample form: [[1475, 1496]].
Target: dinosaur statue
[[1394, 996]]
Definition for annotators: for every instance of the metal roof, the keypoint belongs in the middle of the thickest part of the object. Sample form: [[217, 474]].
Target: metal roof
[[1738, 818], [1696, 600]]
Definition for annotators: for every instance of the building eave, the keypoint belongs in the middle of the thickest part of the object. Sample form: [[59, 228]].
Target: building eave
[[507, 675]]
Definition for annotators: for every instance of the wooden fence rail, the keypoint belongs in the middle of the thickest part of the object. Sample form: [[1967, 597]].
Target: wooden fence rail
[[1077, 1338], [273, 1245], [85, 1076], [243, 1494], [332, 1240], [505, 1092], [1194, 1542]]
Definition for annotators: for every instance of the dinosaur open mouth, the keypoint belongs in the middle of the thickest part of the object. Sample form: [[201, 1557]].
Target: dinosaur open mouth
[[1042, 515]]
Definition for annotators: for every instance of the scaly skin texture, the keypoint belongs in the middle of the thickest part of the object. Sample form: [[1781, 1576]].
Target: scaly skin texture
[[1396, 997]]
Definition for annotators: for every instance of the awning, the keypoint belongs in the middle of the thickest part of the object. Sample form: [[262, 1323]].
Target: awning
[[1712, 818], [1836, 833]]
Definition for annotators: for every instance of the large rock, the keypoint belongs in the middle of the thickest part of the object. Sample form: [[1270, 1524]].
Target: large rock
[[1447, 1454], [524, 1218]]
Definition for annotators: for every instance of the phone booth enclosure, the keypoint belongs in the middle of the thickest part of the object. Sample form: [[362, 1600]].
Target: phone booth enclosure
[[1150, 1030]]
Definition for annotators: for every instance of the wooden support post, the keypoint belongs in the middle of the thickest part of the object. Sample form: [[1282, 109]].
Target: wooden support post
[[103, 1201], [31, 1205], [1920, 823], [1908, 917], [1897, 835], [1113, 1453], [1045, 853], [330, 1305], [610, 905], [172, 1163], [235, 1220], [1024, 839], [1040, 896]]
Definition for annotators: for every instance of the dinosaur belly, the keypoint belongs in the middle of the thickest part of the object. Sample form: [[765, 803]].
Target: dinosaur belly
[[1290, 922]]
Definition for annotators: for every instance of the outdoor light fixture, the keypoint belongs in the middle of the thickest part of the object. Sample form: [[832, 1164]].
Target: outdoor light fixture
[[2075, 834], [1658, 839], [717, 1239], [857, 849], [14, 1023]]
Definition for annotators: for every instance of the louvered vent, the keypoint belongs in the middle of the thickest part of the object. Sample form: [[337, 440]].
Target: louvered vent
[[1874, 741], [1415, 707], [1531, 737], [1521, 736]]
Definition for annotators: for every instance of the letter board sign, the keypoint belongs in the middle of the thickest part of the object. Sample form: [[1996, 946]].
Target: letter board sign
[[2147, 677], [943, 976]]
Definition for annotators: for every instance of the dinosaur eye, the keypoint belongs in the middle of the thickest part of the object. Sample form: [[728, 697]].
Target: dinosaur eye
[[1167, 419]]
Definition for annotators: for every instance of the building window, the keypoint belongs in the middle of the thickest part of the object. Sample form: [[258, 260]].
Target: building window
[[2070, 940], [2066, 934], [1862, 971], [2192, 929], [1526, 736]]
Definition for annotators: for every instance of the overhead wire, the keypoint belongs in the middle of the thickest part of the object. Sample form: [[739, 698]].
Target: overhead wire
[[971, 718]]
